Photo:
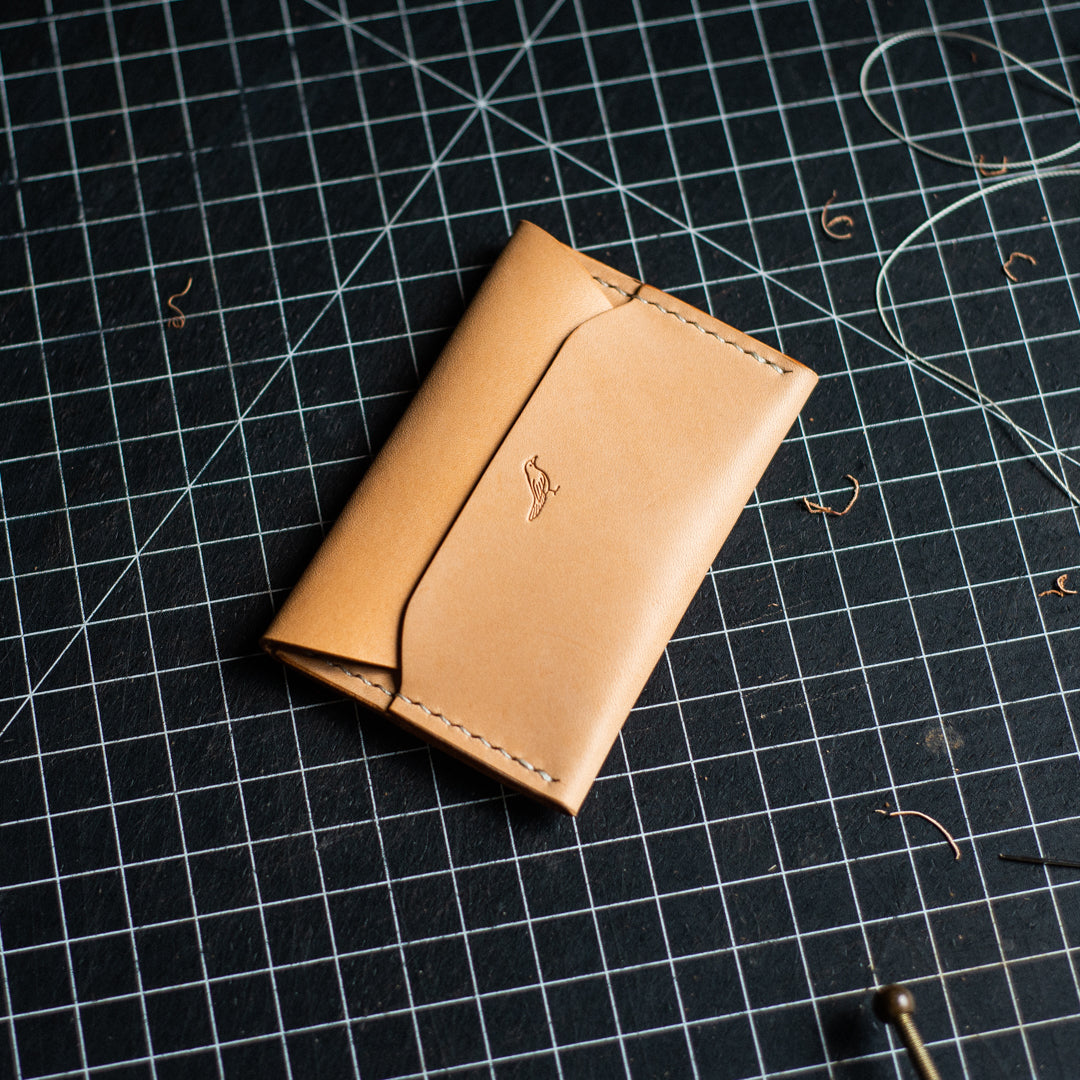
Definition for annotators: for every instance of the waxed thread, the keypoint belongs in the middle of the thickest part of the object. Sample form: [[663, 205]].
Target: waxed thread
[[916, 144], [697, 326], [546, 776], [940, 374], [955, 382]]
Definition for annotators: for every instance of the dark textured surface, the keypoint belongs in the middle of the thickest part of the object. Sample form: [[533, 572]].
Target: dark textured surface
[[210, 867]]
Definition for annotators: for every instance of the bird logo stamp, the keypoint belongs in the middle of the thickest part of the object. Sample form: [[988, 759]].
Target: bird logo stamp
[[539, 485]]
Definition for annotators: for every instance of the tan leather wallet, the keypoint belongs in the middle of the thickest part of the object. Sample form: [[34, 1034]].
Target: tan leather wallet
[[517, 556]]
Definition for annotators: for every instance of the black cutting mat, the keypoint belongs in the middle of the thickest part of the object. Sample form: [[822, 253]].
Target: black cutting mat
[[208, 866]]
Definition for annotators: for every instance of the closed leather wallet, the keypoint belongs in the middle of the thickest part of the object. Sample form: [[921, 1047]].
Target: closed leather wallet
[[517, 556]]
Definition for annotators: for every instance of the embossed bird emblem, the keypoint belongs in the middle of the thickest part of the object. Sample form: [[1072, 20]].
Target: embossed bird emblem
[[539, 485]]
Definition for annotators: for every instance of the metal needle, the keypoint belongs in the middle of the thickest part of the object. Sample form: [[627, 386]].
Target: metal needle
[[895, 1005], [1038, 860]]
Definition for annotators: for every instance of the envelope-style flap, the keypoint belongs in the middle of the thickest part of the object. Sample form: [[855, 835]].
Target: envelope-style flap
[[350, 601], [533, 630]]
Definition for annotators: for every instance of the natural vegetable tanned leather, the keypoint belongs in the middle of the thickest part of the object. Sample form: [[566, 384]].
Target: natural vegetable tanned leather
[[513, 563]]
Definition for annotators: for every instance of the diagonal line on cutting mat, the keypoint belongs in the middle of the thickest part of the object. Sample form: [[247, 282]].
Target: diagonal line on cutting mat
[[484, 103], [234, 426]]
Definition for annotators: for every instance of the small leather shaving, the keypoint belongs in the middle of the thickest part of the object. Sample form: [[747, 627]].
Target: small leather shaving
[[926, 817], [817, 508], [1060, 589], [1008, 262], [178, 320], [829, 224], [985, 171]]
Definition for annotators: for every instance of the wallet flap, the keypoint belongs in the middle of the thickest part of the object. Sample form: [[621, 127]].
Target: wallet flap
[[350, 601], [546, 607]]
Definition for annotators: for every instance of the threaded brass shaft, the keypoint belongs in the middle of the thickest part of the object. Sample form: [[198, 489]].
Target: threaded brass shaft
[[920, 1056]]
